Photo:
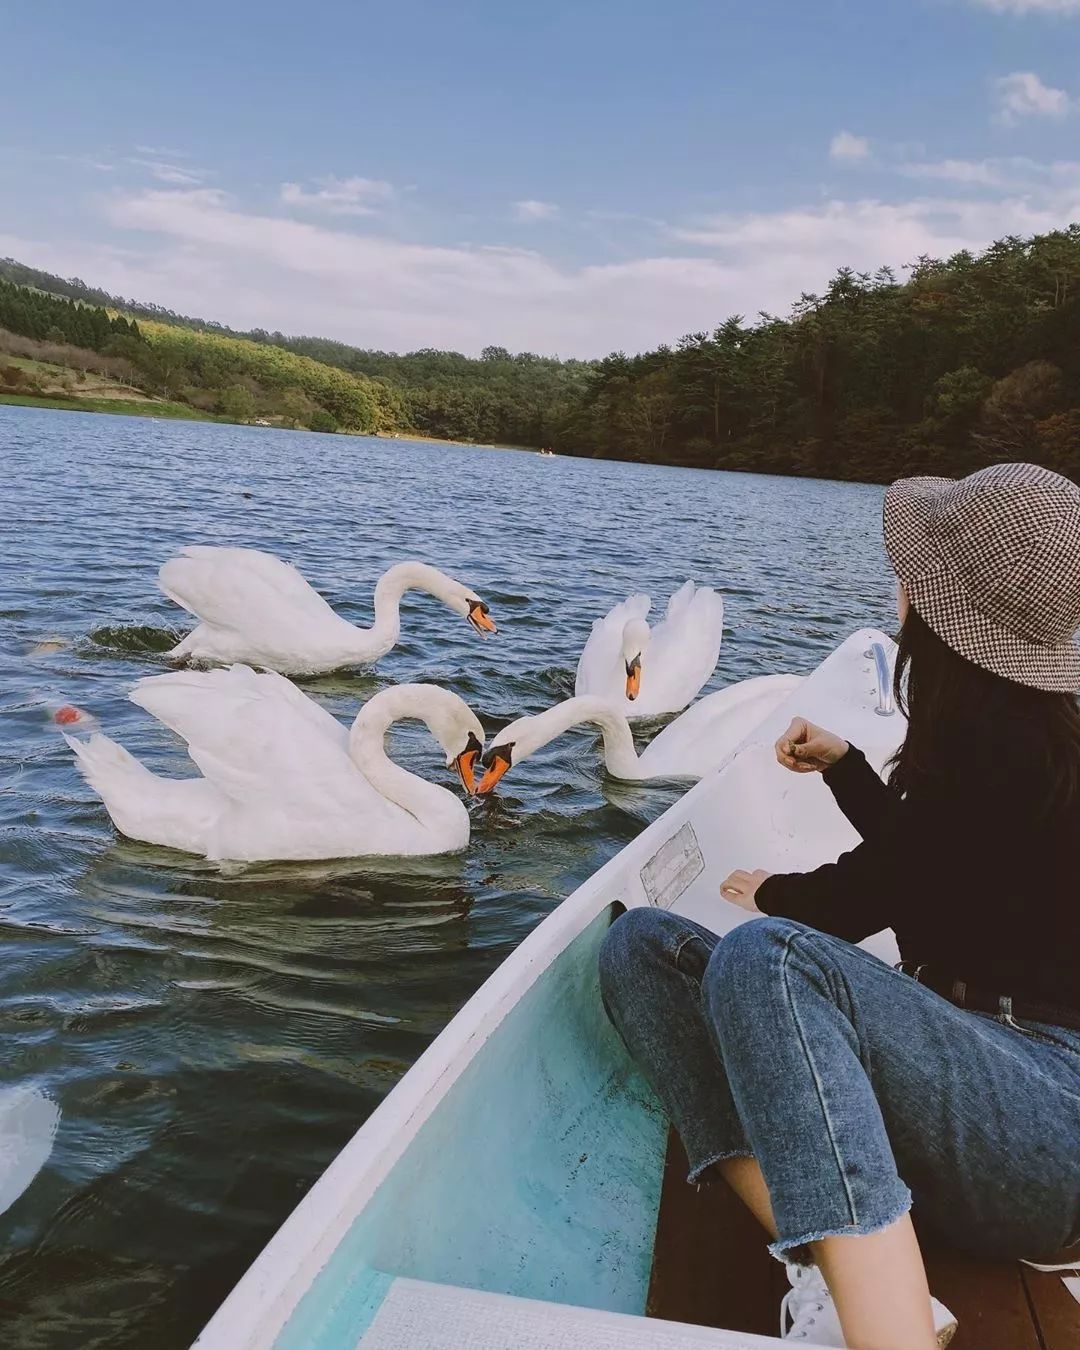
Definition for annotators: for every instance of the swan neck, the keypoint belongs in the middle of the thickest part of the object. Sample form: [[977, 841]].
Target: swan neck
[[428, 803], [391, 586], [386, 629], [620, 756], [619, 753]]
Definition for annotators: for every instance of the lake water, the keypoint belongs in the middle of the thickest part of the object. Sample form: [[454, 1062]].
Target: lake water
[[212, 1040]]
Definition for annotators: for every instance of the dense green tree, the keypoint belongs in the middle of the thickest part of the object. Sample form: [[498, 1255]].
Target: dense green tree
[[294, 407], [321, 420], [237, 403], [971, 359], [50, 318]]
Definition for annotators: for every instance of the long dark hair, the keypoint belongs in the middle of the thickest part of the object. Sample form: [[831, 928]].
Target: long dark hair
[[962, 718]]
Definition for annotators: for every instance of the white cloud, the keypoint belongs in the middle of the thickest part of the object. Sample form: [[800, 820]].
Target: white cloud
[[85, 162], [340, 196], [1023, 94], [161, 152], [532, 210], [982, 173], [175, 174], [210, 256], [1034, 179], [866, 233], [1030, 6], [846, 145]]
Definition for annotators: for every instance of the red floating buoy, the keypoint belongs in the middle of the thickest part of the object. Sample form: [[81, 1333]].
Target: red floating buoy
[[66, 715]]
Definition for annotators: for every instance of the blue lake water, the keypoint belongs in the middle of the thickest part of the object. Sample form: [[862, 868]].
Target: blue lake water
[[213, 1040]]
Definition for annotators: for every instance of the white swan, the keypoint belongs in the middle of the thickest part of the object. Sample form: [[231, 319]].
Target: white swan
[[647, 672], [28, 1121], [282, 778], [690, 747], [256, 609]]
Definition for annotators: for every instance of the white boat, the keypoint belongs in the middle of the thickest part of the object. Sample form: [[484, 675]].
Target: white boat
[[504, 1196]]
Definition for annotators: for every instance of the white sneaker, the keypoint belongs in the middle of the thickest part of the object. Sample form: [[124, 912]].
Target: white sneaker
[[808, 1313]]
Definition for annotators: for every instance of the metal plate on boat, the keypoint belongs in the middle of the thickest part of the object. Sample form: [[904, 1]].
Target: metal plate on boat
[[672, 868]]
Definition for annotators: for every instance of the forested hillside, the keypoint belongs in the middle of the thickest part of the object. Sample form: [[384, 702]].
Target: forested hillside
[[961, 362], [48, 318], [967, 361], [209, 372], [498, 398]]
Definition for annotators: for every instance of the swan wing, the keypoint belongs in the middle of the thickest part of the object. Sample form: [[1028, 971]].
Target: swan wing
[[174, 812], [242, 589], [601, 669], [683, 650], [256, 736], [706, 734]]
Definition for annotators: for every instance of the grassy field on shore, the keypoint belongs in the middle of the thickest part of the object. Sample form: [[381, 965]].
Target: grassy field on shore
[[130, 407]]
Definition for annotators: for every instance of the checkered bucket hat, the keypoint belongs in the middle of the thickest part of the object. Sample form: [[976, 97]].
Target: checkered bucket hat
[[992, 563]]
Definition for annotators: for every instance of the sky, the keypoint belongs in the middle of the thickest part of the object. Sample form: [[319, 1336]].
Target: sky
[[570, 177]]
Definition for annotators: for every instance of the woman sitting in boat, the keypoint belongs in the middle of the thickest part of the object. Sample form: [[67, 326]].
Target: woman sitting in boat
[[831, 1091]]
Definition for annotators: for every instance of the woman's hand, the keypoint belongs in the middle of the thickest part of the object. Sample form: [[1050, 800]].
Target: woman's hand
[[805, 748], [741, 887]]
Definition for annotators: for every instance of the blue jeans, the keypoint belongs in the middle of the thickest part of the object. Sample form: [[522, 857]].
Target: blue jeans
[[855, 1088]]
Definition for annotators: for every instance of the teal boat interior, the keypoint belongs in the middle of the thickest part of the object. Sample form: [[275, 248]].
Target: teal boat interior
[[539, 1175], [548, 1173]]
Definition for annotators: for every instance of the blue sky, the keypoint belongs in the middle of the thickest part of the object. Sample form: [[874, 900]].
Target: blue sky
[[560, 177]]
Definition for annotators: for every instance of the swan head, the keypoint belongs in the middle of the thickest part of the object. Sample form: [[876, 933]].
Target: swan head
[[449, 718], [459, 732], [479, 615], [461, 599], [465, 760], [516, 742], [635, 640]]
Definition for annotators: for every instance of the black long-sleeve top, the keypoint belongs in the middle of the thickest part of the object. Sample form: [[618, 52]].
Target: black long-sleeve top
[[977, 884]]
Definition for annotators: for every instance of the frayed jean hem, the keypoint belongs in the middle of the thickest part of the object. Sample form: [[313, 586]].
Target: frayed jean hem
[[696, 1172], [797, 1250]]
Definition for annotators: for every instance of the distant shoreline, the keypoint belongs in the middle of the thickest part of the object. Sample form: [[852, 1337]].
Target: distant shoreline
[[180, 412], [445, 440]]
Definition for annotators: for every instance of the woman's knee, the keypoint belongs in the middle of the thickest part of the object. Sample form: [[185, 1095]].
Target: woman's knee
[[749, 955], [640, 936], [756, 940]]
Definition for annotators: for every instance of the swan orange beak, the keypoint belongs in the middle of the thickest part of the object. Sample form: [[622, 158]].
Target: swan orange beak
[[465, 763], [480, 617], [497, 760], [633, 678]]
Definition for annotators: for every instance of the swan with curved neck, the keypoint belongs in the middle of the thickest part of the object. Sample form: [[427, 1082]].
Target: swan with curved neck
[[254, 608], [647, 672], [281, 778], [689, 747], [452, 723]]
